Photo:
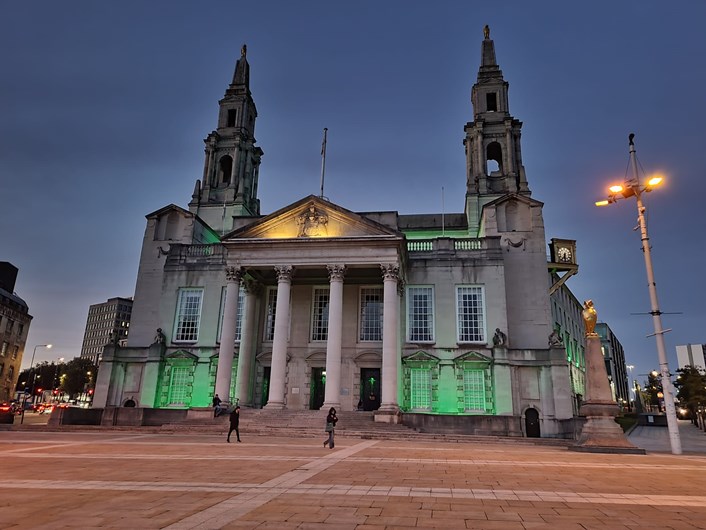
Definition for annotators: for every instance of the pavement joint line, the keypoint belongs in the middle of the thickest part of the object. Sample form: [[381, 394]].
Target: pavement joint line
[[314, 464], [251, 496], [68, 444], [213, 518]]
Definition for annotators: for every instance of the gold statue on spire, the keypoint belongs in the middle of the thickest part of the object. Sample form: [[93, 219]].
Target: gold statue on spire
[[589, 318], [244, 51], [486, 31]]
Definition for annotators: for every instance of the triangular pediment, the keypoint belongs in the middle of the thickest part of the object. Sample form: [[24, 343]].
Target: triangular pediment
[[513, 197], [312, 218], [472, 357], [420, 357]]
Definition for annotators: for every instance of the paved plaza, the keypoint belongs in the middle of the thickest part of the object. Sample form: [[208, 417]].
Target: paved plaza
[[113, 479]]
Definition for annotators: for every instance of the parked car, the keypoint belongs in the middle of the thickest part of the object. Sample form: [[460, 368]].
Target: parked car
[[7, 415], [45, 408]]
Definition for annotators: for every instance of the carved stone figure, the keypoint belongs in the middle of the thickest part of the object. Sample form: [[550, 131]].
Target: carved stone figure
[[159, 337], [499, 339], [555, 340], [486, 31], [244, 50], [589, 317], [312, 223]]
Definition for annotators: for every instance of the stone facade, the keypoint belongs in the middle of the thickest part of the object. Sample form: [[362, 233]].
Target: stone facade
[[14, 328], [314, 305]]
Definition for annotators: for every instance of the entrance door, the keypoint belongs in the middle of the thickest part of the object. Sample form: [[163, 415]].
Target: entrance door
[[265, 385], [317, 388], [532, 423], [370, 388]]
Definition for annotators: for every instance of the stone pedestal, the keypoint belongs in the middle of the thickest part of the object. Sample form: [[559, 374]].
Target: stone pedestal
[[600, 433]]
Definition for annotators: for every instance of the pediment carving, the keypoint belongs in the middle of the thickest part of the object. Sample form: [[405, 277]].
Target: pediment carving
[[472, 357], [420, 357], [181, 354]]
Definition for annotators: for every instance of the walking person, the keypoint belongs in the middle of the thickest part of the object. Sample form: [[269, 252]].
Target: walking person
[[216, 406], [331, 420], [234, 423]]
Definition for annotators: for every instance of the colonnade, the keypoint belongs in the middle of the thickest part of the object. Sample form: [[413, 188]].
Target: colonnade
[[278, 369]]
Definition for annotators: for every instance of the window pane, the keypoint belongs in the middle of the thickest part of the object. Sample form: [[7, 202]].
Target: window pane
[[420, 388], [474, 390], [270, 318], [189, 315], [420, 314], [178, 385], [371, 314], [469, 313], [319, 320]]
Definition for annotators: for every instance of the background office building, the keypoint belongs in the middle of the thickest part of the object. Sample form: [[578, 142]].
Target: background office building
[[107, 323], [692, 355], [614, 357]]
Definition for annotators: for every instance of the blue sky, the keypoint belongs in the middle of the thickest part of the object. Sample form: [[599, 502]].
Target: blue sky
[[104, 107]]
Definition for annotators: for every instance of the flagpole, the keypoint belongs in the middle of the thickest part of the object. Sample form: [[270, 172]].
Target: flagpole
[[442, 211], [323, 162]]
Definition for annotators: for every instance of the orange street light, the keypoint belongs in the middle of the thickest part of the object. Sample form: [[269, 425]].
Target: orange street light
[[631, 188]]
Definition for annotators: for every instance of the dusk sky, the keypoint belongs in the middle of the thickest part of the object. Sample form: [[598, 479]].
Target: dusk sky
[[104, 107]]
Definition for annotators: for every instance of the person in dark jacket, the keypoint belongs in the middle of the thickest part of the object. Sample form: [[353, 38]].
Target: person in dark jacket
[[234, 423], [331, 420], [216, 406]]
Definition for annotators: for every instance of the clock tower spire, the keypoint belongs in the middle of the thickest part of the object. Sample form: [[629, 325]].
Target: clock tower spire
[[232, 160], [492, 141]]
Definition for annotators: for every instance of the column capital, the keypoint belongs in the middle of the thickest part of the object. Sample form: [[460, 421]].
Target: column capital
[[390, 271], [284, 273], [336, 272], [234, 274]]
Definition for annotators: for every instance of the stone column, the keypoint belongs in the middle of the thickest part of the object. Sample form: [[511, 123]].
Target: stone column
[[234, 170], [278, 369], [600, 433], [335, 331], [245, 361], [390, 321], [230, 314]]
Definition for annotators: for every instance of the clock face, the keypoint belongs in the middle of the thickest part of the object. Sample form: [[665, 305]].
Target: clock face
[[563, 254]]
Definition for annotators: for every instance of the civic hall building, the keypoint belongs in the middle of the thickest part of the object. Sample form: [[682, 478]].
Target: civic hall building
[[425, 319]]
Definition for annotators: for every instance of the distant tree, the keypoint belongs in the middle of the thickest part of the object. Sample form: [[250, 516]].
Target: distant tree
[[44, 376], [691, 389], [653, 386], [78, 376]]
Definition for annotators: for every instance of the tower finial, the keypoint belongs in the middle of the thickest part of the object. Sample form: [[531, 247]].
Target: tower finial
[[486, 31], [244, 50]]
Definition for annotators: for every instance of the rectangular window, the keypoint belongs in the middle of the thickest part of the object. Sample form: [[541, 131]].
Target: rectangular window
[[178, 388], [474, 390], [3, 349], [15, 352], [238, 318], [420, 388], [371, 303], [470, 314], [20, 330], [319, 317], [8, 326], [420, 314], [188, 315], [271, 310], [491, 102], [11, 372]]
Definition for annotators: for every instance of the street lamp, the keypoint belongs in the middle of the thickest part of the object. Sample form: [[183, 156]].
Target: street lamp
[[31, 365], [632, 188], [55, 381]]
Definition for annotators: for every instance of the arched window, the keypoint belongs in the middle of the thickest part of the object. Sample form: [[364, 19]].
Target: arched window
[[494, 158]]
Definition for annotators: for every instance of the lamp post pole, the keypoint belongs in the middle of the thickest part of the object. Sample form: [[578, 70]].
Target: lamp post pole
[[670, 411], [31, 377]]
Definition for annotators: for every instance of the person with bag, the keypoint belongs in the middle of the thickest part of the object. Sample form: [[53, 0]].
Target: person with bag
[[331, 420]]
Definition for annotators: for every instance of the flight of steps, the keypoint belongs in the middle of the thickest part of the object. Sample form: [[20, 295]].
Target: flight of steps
[[351, 424]]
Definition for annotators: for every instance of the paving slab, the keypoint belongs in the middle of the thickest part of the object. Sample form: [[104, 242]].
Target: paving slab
[[196, 481]]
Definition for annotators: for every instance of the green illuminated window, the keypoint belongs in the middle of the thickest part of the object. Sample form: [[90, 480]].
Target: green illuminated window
[[474, 390], [470, 314], [420, 314], [319, 317], [178, 386], [420, 388], [188, 315]]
